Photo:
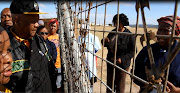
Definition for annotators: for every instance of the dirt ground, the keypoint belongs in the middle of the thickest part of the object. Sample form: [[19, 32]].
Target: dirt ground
[[103, 52]]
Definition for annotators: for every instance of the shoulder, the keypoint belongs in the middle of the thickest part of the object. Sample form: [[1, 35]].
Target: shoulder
[[90, 34], [114, 29], [1, 28], [39, 38], [153, 46], [127, 30], [51, 43]]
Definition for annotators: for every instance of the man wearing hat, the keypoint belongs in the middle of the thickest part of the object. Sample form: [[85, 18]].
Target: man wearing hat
[[160, 52], [30, 72]]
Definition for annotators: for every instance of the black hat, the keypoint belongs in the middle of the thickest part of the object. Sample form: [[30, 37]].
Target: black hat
[[25, 7]]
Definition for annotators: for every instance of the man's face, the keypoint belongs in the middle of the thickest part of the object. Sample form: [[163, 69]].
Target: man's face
[[5, 58], [53, 27], [44, 33], [164, 29], [83, 32], [27, 25], [6, 19]]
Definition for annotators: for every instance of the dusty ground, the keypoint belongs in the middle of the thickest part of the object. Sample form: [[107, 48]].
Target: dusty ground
[[102, 65]]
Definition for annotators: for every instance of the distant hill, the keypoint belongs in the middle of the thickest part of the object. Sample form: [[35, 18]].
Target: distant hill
[[141, 25]]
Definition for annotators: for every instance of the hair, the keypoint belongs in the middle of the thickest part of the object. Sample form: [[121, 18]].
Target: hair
[[39, 28], [54, 21], [122, 19]]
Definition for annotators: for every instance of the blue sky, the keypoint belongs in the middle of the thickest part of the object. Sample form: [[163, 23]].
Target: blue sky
[[157, 10]]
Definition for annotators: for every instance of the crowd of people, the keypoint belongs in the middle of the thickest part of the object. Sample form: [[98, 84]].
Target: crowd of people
[[30, 52]]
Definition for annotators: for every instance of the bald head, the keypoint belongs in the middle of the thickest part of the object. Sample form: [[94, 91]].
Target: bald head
[[6, 19]]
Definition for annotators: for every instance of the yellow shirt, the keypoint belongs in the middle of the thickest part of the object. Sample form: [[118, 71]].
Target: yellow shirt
[[4, 89], [55, 40]]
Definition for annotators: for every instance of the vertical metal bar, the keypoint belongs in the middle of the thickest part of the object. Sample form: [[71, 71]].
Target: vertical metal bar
[[88, 53], [115, 48], [133, 66], [93, 46], [103, 47], [171, 40], [87, 46]]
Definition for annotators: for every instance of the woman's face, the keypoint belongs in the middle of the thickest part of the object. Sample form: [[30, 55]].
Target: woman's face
[[5, 58], [120, 26], [44, 33], [164, 29], [53, 28]]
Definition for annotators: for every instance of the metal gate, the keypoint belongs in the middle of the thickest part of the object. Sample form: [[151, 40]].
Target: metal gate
[[73, 54]]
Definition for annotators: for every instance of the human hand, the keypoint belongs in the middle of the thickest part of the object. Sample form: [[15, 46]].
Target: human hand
[[171, 88], [119, 61]]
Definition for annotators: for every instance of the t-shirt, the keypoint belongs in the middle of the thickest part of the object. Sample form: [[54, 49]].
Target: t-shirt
[[55, 40]]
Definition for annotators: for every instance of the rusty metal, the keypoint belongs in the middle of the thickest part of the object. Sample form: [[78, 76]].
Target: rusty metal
[[169, 50], [75, 73], [117, 26], [133, 65], [103, 47]]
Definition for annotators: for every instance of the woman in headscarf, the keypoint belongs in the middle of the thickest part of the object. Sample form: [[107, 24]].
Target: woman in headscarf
[[160, 53]]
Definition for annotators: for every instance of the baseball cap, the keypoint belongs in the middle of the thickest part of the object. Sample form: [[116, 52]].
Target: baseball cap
[[25, 7]]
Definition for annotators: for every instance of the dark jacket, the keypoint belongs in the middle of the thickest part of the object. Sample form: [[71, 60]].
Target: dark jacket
[[30, 72], [125, 48], [51, 49], [160, 55]]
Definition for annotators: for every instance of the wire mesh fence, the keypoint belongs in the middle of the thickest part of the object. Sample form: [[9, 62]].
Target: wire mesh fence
[[76, 48], [84, 64]]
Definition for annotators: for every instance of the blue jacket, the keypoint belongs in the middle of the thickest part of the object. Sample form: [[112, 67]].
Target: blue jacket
[[51, 49], [159, 54]]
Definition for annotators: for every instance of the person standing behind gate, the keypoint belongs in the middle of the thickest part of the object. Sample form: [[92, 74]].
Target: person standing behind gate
[[54, 37], [6, 18], [30, 66], [160, 52], [90, 44], [125, 51]]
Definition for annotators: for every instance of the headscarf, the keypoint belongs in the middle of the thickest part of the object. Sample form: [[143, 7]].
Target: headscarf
[[169, 20], [55, 21]]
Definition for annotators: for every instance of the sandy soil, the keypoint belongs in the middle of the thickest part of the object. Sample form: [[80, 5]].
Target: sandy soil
[[103, 52]]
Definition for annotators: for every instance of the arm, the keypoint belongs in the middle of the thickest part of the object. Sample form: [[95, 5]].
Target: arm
[[106, 40], [140, 66]]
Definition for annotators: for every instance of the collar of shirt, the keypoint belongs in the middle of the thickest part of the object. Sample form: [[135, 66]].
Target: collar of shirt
[[26, 42]]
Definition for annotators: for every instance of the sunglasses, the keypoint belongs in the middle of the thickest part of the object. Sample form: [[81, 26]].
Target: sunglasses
[[42, 33]]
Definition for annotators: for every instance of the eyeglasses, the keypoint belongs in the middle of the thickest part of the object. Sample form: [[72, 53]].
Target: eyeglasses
[[42, 33]]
